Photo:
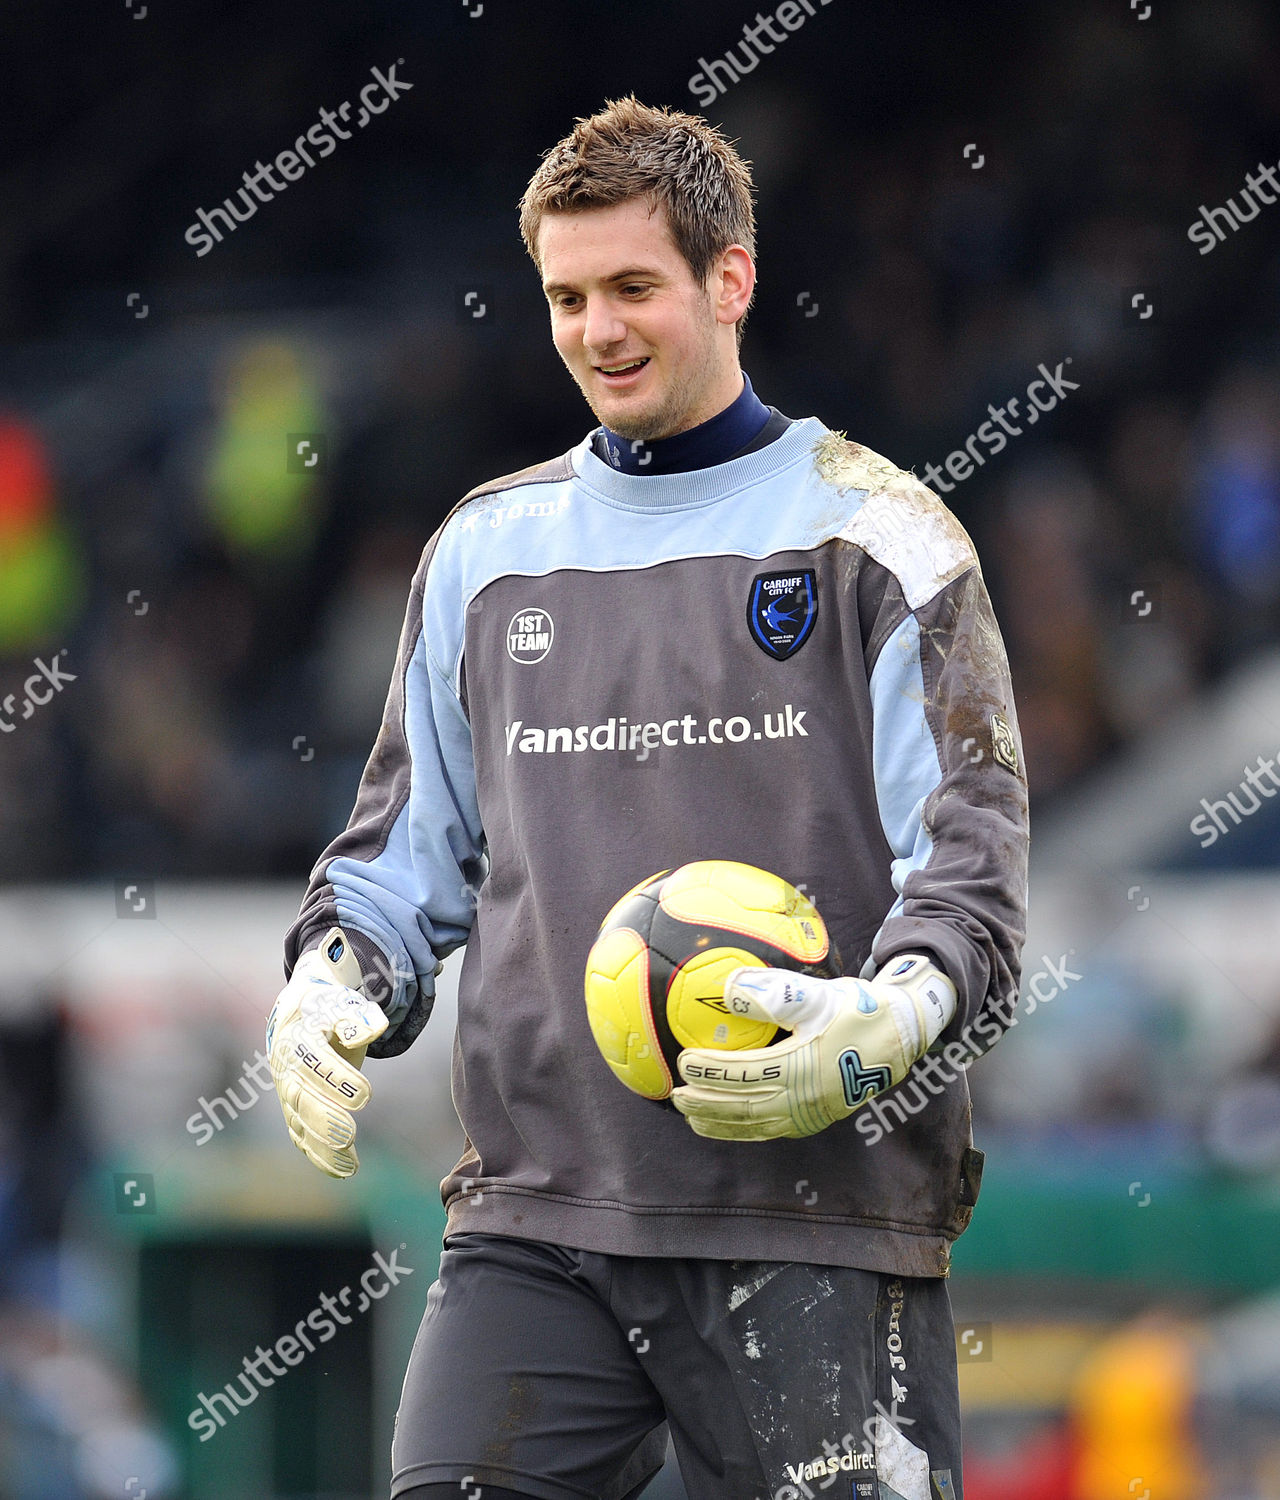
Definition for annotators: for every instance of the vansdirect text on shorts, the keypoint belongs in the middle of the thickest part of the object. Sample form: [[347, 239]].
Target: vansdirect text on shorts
[[635, 737]]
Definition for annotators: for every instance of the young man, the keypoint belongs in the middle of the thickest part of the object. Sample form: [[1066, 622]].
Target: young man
[[770, 1282]]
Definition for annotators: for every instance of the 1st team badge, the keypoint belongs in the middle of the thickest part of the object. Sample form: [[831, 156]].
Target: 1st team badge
[[781, 611], [529, 635]]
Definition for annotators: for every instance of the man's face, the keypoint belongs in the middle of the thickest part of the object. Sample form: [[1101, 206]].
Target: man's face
[[620, 292]]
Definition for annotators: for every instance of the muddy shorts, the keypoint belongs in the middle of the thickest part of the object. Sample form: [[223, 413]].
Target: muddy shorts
[[556, 1373]]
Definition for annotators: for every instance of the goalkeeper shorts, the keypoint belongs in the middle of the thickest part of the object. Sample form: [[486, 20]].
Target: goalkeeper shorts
[[556, 1373]]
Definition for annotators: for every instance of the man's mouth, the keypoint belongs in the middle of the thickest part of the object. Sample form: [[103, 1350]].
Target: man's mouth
[[623, 372]]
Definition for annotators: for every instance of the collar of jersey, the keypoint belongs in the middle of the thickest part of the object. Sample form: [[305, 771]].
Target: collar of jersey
[[668, 492]]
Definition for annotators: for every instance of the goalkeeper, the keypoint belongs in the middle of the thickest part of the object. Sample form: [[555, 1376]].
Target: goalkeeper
[[708, 630]]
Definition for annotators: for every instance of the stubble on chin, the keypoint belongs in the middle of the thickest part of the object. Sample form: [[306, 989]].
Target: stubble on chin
[[649, 425], [644, 426], [640, 429]]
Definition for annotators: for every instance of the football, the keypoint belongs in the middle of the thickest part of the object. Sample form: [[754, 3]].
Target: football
[[656, 971]]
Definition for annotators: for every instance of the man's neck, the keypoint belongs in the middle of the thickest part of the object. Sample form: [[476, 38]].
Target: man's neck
[[710, 442]]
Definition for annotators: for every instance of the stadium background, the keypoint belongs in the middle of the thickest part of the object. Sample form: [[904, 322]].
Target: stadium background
[[949, 197]]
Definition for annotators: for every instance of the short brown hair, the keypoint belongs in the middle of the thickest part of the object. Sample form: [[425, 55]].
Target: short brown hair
[[632, 150]]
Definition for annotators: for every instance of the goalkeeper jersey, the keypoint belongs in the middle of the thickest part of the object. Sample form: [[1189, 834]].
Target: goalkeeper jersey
[[788, 659]]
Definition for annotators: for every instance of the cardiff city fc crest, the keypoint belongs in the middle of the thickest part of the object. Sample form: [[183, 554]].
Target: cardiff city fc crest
[[782, 610]]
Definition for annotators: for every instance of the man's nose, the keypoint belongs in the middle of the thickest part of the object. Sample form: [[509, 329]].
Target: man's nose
[[603, 328]]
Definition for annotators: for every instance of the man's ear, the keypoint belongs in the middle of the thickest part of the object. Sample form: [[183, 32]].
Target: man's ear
[[733, 280]]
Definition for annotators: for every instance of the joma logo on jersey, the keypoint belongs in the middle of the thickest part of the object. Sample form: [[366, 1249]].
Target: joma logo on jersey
[[500, 513], [781, 610], [529, 635]]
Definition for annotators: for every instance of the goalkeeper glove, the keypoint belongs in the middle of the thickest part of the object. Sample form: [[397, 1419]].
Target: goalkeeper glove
[[850, 1040], [320, 1028]]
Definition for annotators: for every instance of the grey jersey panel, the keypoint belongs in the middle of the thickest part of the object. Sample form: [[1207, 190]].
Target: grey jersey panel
[[569, 831]]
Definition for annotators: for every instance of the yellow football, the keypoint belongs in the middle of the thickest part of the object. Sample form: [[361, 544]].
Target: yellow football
[[656, 971]]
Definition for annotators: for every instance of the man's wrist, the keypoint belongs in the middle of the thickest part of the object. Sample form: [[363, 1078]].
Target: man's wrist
[[922, 996]]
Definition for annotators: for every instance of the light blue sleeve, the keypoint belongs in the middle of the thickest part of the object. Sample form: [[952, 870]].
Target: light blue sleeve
[[401, 878]]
